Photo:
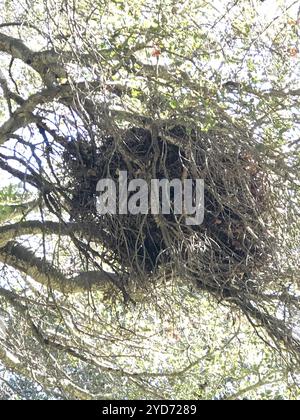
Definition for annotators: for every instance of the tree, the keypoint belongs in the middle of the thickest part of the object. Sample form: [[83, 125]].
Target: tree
[[160, 90]]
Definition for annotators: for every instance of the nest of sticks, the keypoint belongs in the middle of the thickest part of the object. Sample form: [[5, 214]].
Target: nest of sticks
[[231, 245]]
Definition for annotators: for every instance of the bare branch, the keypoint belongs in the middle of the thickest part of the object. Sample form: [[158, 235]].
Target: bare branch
[[46, 63], [25, 261]]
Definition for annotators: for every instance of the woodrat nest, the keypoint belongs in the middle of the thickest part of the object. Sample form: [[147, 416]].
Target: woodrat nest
[[230, 245]]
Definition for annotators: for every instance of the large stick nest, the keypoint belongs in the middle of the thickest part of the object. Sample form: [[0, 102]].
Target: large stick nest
[[231, 245]]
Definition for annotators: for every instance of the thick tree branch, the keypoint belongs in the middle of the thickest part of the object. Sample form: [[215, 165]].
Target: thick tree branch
[[46, 63], [24, 260], [35, 227]]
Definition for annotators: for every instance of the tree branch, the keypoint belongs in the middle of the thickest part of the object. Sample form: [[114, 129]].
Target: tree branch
[[24, 114], [46, 63], [24, 260], [35, 227]]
